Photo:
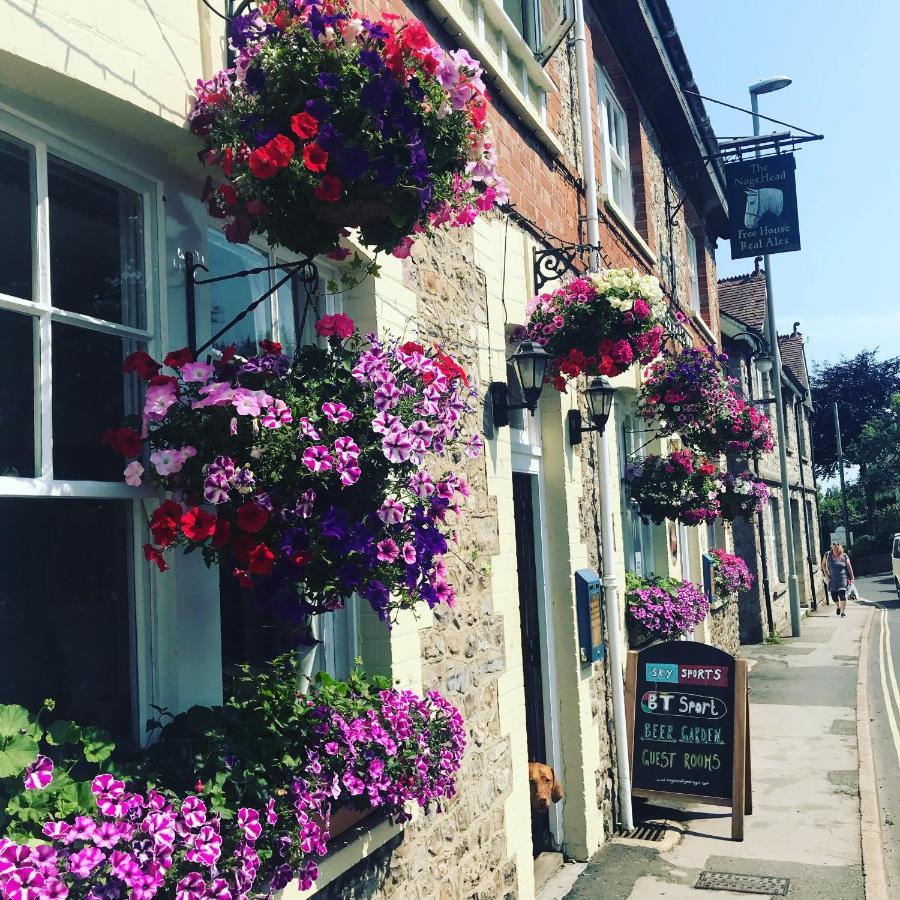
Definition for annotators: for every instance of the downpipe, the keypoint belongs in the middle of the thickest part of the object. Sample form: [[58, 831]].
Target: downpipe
[[610, 580]]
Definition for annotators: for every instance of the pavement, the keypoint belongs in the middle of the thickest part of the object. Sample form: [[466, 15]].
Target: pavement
[[810, 810]]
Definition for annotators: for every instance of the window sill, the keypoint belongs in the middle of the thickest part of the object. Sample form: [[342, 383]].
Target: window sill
[[701, 326], [631, 232], [493, 65], [360, 843]]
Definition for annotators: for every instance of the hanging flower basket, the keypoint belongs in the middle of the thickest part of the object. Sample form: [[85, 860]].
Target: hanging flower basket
[[308, 479], [687, 487], [329, 120], [597, 325], [741, 495], [232, 801], [680, 486], [689, 393], [730, 574], [662, 608]]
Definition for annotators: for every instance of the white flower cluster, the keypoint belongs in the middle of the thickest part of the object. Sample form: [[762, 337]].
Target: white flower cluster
[[623, 286]]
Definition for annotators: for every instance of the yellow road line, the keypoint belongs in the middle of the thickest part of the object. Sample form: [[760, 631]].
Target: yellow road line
[[889, 699]]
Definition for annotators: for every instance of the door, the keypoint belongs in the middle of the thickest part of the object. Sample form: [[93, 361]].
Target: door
[[530, 620]]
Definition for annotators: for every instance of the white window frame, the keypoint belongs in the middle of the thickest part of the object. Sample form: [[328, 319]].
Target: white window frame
[[693, 270], [635, 529], [777, 537], [144, 590], [616, 160]]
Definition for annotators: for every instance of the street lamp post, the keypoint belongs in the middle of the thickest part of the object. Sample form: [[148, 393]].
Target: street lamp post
[[766, 87]]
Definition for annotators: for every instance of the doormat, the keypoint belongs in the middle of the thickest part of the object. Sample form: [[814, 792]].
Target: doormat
[[646, 831], [743, 884]]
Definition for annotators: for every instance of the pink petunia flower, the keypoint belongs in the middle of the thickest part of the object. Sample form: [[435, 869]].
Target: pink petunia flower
[[39, 774], [397, 446], [317, 458], [337, 412], [248, 821], [391, 512], [133, 472], [198, 372]]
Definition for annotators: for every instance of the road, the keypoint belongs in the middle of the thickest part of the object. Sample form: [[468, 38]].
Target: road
[[884, 711]]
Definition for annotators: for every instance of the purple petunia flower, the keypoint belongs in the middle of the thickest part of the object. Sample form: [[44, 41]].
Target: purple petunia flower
[[39, 774]]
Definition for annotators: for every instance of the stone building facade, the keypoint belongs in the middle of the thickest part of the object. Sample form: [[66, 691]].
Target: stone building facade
[[108, 94], [762, 542]]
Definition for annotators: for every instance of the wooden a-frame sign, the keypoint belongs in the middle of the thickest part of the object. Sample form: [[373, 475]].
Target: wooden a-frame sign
[[688, 714]]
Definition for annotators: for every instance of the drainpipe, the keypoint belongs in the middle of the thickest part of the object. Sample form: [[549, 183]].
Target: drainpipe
[[810, 558], [610, 580], [760, 521]]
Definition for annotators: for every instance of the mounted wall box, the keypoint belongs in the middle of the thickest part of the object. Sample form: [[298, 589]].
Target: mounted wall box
[[708, 580], [589, 600]]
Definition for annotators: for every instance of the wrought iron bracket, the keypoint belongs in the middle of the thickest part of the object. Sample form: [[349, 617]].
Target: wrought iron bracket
[[552, 263], [301, 274]]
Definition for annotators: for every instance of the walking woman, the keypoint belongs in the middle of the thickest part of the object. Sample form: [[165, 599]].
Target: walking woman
[[839, 574]]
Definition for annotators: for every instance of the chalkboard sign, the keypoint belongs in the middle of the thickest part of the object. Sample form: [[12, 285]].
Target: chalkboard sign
[[687, 711]]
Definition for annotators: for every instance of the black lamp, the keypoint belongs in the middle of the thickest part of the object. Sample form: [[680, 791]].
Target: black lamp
[[530, 365], [599, 395]]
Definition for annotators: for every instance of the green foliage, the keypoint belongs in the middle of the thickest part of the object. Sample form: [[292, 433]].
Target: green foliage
[[862, 386], [75, 752]]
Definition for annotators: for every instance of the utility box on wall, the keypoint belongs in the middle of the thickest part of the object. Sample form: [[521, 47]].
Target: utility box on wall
[[589, 600]]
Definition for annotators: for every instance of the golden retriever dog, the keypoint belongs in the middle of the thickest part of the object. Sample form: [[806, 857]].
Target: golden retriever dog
[[545, 789]]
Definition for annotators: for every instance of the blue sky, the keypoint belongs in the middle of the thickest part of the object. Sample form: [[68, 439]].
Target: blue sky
[[843, 285]]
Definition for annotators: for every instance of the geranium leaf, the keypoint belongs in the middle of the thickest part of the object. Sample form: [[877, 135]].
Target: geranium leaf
[[16, 753], [98, 746], [62, 732], [14, 720]]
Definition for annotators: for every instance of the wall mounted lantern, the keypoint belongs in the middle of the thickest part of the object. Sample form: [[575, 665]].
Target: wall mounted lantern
[[759, 356], [530, 365], [599, 395]]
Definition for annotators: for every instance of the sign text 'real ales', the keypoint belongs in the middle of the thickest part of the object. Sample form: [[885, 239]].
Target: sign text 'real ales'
[[762, 206]]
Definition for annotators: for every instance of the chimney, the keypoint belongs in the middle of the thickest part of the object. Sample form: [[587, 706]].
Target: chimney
[[756, 263]]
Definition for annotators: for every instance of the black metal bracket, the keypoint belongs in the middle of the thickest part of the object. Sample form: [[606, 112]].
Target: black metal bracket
[[302, 274], [577, 427], [498, 393], [675, 328], [551, 263]]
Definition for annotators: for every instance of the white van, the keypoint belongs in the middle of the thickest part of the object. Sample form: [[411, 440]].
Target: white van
[[895, 563]]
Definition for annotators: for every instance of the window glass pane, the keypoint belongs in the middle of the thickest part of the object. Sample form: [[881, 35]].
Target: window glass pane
[[494, 38], [513, 8], [228, 298], [65, 620], [90, 394], [96, 246], [18, 358], [16, 221]]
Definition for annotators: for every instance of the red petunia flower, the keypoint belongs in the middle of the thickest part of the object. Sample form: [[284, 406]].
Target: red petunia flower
[[281, 150], [228, 162], [229, 194], [262, 165], [175, 359], [329, 189], [151, 554], [221, 534], [197, 524], [315, 158], [415, 36], [142, 363], [301, 558], [412, 347], [304, 125], [251, 517], [450, 367], [270, 346], [122, 440], [228, 355], [262, 560]]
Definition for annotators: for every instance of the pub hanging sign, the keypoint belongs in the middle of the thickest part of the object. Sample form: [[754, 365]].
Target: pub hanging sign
[[762, 206]]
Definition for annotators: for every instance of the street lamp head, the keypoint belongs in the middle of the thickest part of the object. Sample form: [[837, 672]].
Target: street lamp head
[[530, 362], [764, 363], [600, 395], [767, 85]]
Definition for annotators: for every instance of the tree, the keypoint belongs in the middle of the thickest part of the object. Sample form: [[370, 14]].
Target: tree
[[862, 387]]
